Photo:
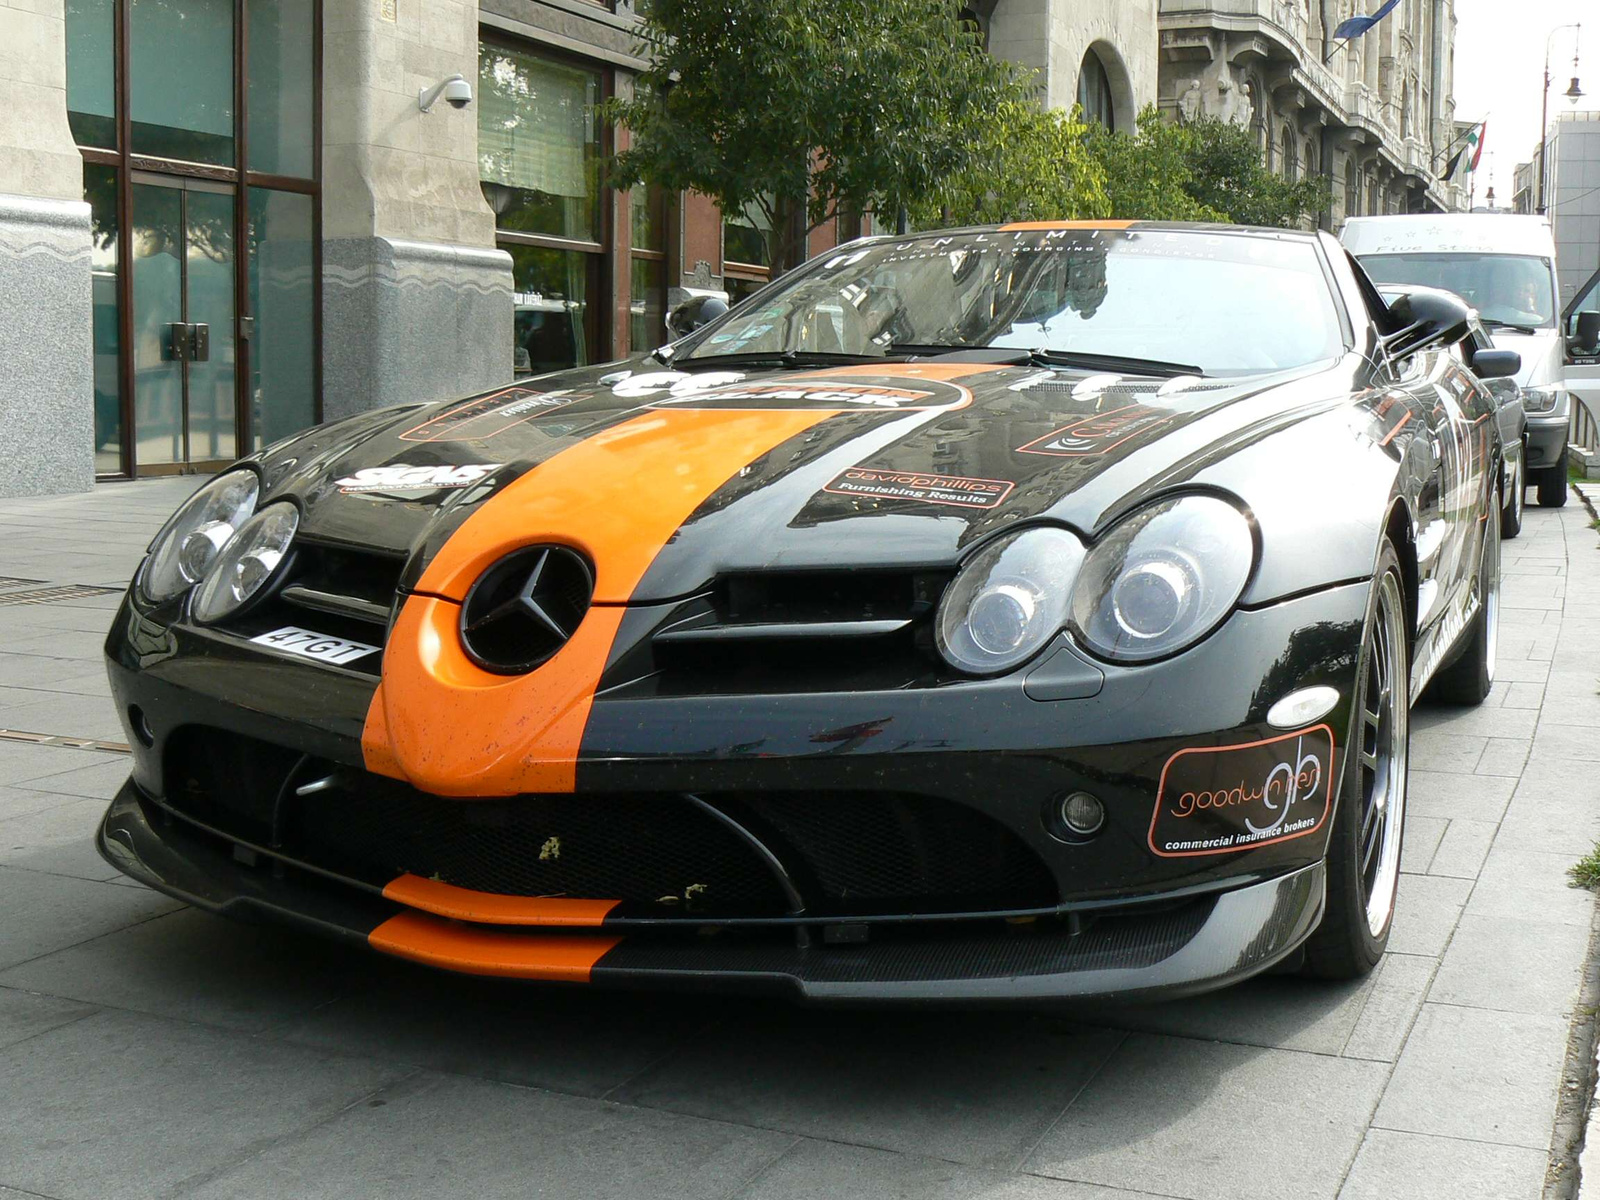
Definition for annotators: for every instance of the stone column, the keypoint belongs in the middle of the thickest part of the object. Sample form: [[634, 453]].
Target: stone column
[[416, 299], [46, 318]]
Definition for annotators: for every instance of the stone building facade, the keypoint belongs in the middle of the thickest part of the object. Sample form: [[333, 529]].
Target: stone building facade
[[1374, 115]]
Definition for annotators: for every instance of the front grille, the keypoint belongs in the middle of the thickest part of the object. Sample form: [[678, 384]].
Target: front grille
[[900, 852], [649, 850], [335, 590], [847, 853], [795, 631]]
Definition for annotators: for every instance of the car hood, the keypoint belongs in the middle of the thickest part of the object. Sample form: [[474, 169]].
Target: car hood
[[1541, 354], [899, 465]]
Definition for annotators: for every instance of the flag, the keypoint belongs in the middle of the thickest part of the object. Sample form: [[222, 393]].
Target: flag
[[1354, 27], [1475, 140], [1450, 167]]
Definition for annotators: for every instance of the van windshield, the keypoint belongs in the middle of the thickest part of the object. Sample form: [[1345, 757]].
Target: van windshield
[[1506, 289]]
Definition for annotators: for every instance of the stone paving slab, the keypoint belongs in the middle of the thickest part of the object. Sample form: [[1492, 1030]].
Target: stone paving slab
[[147, 1049]]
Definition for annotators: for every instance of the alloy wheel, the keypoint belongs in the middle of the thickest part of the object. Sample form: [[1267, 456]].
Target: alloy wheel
[[1383, 733]]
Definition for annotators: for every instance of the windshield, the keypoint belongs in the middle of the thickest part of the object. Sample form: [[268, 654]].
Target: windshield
[[1509, 289], [1227, 303]]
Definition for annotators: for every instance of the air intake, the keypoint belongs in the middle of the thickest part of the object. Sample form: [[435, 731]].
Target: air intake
[[523, 609]]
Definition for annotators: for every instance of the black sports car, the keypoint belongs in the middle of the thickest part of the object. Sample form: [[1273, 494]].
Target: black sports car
[[1030, 611]]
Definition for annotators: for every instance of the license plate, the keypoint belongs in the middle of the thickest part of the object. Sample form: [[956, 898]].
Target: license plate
[[308, 643]]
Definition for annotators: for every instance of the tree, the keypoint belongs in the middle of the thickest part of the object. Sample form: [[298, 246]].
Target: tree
[[1038, 168], [802, 109], [1208, 170]]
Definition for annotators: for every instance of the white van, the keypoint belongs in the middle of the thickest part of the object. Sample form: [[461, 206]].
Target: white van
[[1504, 266]]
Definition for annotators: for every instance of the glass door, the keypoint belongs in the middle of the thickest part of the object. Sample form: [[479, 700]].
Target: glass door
[[183, 345]]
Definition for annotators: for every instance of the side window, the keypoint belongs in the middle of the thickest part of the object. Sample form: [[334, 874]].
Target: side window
[[1583, 320]]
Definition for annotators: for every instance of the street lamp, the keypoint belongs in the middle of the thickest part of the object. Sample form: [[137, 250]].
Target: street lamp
[[1573, 94]]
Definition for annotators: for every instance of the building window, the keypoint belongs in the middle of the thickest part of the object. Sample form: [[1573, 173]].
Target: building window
[[191, 231], [539, 160], [1094, 91], [647, 277], [1291, 155], [1352, 191], [746, 257]]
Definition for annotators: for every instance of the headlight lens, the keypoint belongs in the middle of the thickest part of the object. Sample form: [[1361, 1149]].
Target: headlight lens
[[247, 562], [1540, 399], [1009, 601], [185, 549], [1163, 579]]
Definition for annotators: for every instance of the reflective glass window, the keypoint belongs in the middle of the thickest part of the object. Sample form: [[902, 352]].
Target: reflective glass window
[[550, 290], [100, 190], [647, 304], [91, 72], [282, 300], [181, 91], [539, 143], [744, 237], [280, 86]]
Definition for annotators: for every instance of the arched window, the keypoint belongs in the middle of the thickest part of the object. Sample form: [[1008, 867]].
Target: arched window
[[1094, 91], [1291, 155], [1352, 190]]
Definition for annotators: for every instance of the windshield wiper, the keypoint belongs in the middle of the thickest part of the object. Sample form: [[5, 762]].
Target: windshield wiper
[[1008, 355], [1111, 362], [788, 360], [1496, 323]]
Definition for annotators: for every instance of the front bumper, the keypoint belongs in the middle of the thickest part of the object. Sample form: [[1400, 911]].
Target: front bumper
[[927, 781], [1174, 949], [1547, 438]]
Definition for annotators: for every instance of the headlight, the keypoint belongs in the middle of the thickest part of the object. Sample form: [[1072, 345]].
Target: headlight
[[1540, 399], [1163, 579], [1009, 601], [247, 562], [189, 543]]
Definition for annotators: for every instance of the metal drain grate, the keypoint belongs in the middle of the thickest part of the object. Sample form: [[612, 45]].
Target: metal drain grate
[[52, 595], [57, 739], [13, 581]]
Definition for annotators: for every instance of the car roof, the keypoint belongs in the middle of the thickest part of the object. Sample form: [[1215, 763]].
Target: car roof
[[1140, 226], [1471, 233]]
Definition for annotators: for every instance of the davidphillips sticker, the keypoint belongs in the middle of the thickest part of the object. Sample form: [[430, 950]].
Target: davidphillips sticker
[[403, 478], [956, 490], [1222, 799]]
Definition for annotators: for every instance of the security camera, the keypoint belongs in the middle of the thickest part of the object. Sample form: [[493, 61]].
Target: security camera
[[456, 90]]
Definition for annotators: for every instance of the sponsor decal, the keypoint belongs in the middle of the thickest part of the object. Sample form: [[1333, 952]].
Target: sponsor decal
[[487, 416], [835, 395], [1098, 433], [403, 478], [675, 383], [308, 643], [1220, 799], [956, 490]]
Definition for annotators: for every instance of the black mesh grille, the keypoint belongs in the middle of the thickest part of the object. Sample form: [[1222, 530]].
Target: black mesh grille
[[634, 848], [902, 850], [846, 852]]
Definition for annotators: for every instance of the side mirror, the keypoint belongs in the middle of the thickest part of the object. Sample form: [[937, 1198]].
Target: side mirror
[[1588, 331], [1426, 319], [693, 313], [1496, 364]]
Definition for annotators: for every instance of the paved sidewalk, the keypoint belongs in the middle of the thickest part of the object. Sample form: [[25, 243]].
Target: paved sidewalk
[[150, 1050]]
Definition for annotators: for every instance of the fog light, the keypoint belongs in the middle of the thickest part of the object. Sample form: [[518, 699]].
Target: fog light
[[1081, 815]]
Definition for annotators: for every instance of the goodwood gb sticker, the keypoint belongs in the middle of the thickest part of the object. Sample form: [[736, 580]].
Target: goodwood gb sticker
[[955, 490], [837, 395], [1221, 799]]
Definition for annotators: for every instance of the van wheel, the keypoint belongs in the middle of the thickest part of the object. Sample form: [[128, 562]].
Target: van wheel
[[1553, 483]]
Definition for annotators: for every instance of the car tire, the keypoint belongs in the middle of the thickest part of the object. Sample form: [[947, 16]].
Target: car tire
[[1553, 483], [1516, 496], [1468, 679], [1363, 860]]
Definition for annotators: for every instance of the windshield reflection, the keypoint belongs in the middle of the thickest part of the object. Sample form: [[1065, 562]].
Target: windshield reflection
[[1227, 302]]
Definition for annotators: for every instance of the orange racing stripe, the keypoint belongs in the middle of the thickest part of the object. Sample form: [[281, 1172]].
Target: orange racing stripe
[[450, 728], [478, 951], [491, 908]]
